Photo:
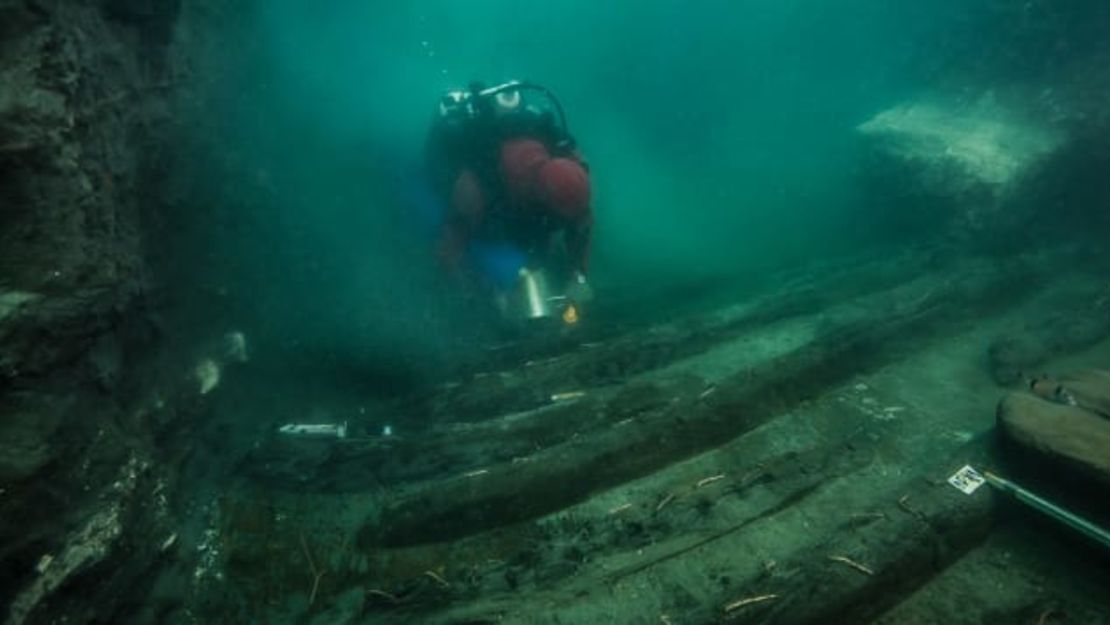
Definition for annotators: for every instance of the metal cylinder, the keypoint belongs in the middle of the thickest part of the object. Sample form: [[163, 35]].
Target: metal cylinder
[[536, 301]]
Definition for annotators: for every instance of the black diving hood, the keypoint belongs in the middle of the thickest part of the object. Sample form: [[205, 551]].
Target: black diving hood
[[521, 85]]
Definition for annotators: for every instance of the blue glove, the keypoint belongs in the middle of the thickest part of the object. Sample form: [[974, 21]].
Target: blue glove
[[500, 262]]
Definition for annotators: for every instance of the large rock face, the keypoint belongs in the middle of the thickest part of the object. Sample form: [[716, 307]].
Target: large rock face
[[79, 119], [968, 158], [985, 142], [82, 115]]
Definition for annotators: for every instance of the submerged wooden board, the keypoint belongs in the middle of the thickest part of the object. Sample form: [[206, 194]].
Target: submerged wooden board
[[776, 476], [1068, 434], [859, 565], [852, 338], [496, 416]]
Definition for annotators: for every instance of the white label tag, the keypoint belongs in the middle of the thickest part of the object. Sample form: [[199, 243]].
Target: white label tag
[[967, 480]]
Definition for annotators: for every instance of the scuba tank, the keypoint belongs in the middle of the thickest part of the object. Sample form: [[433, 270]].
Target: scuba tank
[[536, 296], [536, 300]]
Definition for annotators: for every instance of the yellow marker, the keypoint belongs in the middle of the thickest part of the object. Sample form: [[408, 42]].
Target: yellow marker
[[570, 315]]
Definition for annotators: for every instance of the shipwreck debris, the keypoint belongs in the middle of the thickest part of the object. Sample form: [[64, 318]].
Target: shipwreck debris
[[317, 573], [706, 481], [437, 578], [742, 603], [620, 508], [567, 396], [852, 563], [663, 502]]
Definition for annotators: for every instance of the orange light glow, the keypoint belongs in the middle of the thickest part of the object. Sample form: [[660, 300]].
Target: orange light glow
[[570, 315]]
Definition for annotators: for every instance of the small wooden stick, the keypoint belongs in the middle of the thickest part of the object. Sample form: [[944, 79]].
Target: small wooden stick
[[752, 475], [904, 503], [666, 500], [316, 573], [852, 563], [385, 595], [438, 578], [860, 517], [709, 480], [620, 508], [567, 396], [736, 605]]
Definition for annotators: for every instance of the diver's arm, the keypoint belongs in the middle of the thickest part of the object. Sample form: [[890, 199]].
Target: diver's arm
[[466, 208], [453, 239], [578, 289]]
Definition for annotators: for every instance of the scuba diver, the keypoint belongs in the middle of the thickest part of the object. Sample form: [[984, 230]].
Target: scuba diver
[[516, 197]]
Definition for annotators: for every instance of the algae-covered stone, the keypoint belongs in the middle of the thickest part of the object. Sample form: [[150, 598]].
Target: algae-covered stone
[[11, 301], [25, 443], [972, 156], [985, 142], [84, 549]]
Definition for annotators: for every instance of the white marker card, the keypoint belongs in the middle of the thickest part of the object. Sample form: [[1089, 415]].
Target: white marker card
[[967, 480]]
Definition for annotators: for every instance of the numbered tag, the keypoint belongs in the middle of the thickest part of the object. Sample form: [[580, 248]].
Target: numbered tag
[[967, 480]]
